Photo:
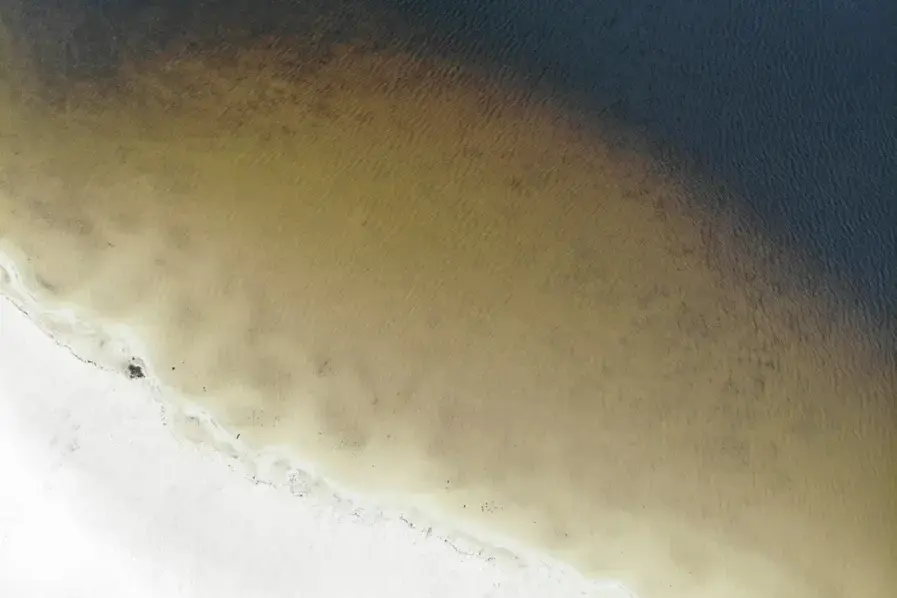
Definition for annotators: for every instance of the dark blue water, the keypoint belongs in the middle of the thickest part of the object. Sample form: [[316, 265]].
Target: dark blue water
[[791, 106]]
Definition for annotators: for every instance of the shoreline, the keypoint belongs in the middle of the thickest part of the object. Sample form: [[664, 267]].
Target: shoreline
[[480, 311], [145, 408], [272, 465]]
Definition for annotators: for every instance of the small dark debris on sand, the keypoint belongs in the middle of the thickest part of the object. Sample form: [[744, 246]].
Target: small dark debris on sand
[[135, 371]]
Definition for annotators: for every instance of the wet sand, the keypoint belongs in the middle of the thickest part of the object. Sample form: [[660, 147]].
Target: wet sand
[[444, 294]]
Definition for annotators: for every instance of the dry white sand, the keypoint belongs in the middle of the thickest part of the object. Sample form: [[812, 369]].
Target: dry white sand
[[100, 499], [443, 296]]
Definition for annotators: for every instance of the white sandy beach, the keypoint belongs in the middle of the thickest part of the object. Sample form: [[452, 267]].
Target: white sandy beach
[[101, 497], [447, 299]]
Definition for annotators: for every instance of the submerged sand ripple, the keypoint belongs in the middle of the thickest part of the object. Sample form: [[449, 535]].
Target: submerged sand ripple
[[442, 292]]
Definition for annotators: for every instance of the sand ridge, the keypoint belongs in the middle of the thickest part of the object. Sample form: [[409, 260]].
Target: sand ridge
[[442, 292]]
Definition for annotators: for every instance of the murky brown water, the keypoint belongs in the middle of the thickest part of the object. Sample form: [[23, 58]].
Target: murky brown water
[[443, 292]]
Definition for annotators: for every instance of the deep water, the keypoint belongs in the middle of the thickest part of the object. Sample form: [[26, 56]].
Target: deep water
[[789, 107]]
